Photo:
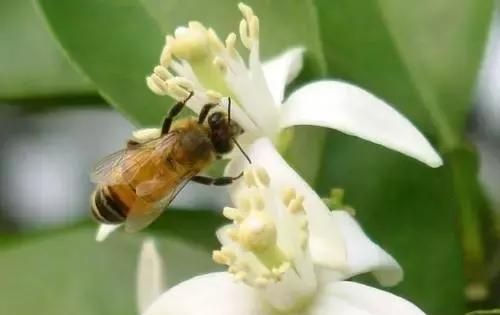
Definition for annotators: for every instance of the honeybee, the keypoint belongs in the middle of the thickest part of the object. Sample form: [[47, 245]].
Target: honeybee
[[136, 184]]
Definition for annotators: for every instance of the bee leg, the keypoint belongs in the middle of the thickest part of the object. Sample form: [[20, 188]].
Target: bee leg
[[216, 181], [132, 144], [174, 111], [204, 112]]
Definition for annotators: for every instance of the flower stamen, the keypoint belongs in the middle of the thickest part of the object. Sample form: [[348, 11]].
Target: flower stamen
[[263, 241]]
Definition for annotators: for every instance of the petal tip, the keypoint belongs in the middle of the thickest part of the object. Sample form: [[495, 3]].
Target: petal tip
[[104, 231], [435, 161]]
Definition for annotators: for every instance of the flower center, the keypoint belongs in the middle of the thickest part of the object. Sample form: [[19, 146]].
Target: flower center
[[266, 246], [196, 53], [196, 60]]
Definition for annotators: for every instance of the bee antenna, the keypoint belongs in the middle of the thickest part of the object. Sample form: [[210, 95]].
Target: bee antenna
[[242, 151], [234, 139], [229, 108]]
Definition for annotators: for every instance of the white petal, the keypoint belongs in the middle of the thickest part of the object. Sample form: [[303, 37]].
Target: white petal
[[354, 111], [325, 240], [105, 230], [281, 70], [336, 240], [347, 298], [150, 276], [210, 294], [328, 304], [362, 254]]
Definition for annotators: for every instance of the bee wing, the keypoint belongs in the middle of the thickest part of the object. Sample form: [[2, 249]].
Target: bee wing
[[112, 169], [149, 187], [139, 218]]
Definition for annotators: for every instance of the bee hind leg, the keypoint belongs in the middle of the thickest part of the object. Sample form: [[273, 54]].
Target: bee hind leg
[[216, 181], [174, 111]]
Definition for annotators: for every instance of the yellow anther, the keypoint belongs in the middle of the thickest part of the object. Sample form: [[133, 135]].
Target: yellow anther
[[166, 56], [230, 43], [181, 81], [214, 40], [214, 95], [228, 252], [243, 203], [241, 275], [249, 178], [190, 43], [288, 195], [197, 26], [177, 92], [244, 34], [232, 233], [233, 269], [233, 214], [296, 205], [253, 27], [219, 257], [245, 10], [262, 176], [157, 85], [258, 202], [162, 73], [146, 134], [169, 40]]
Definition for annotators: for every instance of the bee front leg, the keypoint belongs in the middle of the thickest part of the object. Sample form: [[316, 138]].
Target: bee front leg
[[174, 111], [216, 181], [204, 112]]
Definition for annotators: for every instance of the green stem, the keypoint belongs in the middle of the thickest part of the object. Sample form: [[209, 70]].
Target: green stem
[[465, 184]]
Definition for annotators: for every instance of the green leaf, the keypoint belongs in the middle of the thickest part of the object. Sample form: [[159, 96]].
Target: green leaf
[[32, 65], [68, 272], [116, 44], [410, 210], [421, 56], [485, 312]]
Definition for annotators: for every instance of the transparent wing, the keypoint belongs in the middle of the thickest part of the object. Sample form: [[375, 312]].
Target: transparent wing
[[143, 213], [112, 169], [151, 186]]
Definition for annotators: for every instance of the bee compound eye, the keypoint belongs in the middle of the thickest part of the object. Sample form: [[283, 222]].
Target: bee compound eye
[[215, 119]]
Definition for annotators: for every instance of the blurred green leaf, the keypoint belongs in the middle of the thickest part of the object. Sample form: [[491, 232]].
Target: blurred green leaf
[[485, 312], [32, 65], [68, 272], [408, 209], [116, 44], [421, 56]]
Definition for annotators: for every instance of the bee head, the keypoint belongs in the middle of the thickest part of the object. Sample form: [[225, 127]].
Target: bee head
[[223, 130]]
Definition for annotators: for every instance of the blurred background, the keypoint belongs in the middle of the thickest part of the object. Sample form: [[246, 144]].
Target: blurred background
[[54, 125]]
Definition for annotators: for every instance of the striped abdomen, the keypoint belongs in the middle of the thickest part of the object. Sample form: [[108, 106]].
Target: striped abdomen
[[108, 205]]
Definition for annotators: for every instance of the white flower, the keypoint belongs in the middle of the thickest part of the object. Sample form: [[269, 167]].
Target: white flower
[[287, 253], [196, 59]]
